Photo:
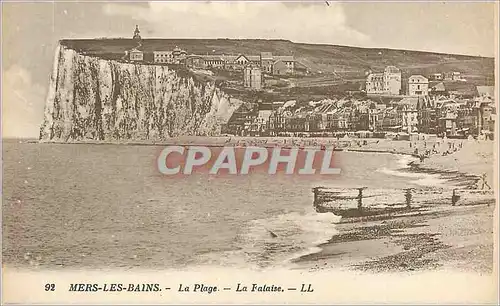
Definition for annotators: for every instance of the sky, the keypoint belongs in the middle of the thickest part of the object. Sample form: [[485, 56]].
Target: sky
[[30, 33]]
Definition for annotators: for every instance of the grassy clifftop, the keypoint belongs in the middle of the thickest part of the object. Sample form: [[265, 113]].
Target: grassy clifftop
[[348, 62]]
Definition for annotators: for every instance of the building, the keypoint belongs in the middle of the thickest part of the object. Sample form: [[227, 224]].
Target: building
[[486, 91], [283, 66], [392, 80], [418, 85], [376, 115], [252, 77], [486, 113], [436, 77], [452, 76], [266, 62], [387, 83], [427, 116], [391, 121], [176, 56], [195, 61], [408, 109], [136, 55], [260, 125], [466, 119], [375, 83], [438, 89], [242, 60], [276, 124], [241, 119], [447, 115], [179, 55], [163, 57], [214, 61]]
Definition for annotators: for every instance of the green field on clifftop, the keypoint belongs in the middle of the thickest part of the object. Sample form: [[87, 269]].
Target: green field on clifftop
[[349, 63]]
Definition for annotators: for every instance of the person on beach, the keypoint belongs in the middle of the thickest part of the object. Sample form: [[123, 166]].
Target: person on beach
[[422, 157], [485, 183]]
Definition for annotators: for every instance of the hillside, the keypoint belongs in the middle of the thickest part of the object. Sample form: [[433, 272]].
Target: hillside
[[349, 63]]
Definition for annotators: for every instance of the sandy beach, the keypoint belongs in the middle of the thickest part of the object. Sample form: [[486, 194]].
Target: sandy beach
[[457, 238]]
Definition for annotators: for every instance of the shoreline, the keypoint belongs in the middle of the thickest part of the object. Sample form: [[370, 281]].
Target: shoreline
[[413, 240], [405, 243], [463, 156]]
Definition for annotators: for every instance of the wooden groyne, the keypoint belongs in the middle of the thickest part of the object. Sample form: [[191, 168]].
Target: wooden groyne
[[353, 202]]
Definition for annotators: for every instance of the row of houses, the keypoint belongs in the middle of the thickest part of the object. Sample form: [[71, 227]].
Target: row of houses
[[440, 115], [447, 76], [267, 61]]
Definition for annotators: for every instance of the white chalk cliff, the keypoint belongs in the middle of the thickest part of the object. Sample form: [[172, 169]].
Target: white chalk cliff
[[96, 99]]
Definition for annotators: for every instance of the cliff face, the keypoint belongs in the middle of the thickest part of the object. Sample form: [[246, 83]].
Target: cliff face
[[95, 99]]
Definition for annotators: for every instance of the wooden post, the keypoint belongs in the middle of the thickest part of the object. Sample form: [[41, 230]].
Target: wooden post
[[454, 198], [316, 201], [408, 197], [315, 192], [360, 199]]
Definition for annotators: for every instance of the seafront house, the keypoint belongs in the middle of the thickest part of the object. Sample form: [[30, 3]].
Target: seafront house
[[276, 122], [486, 111], [408, 110], [427, 116], [447, 112], [241, 120], [260, 125]]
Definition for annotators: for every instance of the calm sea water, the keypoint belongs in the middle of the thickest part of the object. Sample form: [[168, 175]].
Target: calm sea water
[[68, 205]]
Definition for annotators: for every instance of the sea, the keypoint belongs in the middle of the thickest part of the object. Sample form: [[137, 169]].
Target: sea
[[107, 206]]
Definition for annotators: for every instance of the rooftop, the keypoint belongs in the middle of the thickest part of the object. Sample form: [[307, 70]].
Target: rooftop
[[418, 78], [488, 91]]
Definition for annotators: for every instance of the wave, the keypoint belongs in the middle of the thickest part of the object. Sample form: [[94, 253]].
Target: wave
[[275, 241], [420, 178]]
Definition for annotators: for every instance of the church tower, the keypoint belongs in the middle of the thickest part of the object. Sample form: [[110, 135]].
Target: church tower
[[137, 35]]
